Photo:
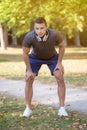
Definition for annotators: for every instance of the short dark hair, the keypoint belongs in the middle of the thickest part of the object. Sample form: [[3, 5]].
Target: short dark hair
[[40, 20]]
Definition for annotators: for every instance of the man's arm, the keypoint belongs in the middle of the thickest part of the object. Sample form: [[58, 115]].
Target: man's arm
[[61, 54], [29, 74], [61, 51], [26, 57]]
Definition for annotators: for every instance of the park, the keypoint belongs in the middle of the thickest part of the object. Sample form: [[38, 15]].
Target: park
[[71, 21]]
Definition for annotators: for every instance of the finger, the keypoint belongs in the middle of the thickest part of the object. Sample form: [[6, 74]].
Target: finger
[[27, 77]]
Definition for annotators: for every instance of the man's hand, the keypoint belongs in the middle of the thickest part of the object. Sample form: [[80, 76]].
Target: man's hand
[[30, 75], [60, 67], [59, 71]]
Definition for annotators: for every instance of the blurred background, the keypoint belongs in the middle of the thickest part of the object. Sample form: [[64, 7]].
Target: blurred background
[[67, 16]]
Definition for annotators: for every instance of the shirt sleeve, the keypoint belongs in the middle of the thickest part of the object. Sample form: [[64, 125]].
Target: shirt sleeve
[[27, 42]]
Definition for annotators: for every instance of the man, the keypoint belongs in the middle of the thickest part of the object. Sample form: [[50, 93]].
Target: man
[[43, 40]]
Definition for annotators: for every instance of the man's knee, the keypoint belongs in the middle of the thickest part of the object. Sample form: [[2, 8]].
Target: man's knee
[[59, 78], [30, 81]]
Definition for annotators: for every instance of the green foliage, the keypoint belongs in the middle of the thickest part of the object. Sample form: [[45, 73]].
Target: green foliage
[[63, 15]]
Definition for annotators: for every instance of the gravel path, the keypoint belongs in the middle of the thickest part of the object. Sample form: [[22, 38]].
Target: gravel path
[[76, 98]]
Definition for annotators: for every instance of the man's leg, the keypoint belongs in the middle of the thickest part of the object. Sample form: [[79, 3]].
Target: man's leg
[[29, 92], [28, 97], [59, 73], [61, 92], [35, 66]]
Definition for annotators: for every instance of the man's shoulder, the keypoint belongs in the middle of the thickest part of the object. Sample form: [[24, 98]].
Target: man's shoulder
[[52, 31], [30, 34]]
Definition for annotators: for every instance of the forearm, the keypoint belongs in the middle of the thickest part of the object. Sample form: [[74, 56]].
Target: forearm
[[61, 52], [27, 61], [26, 58]]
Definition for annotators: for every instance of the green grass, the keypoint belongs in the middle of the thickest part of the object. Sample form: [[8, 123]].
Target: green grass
[[3, 60], [75, 63], [43, 117], [78, 80]]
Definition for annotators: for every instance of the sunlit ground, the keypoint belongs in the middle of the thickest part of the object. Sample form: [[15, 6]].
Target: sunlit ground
[[75, 63]]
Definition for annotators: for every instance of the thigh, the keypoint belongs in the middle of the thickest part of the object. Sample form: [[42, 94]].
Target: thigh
[[52, 63], [34, 63]]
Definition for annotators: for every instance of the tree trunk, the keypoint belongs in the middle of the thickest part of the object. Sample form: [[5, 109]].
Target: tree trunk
[[14, 38], [2, 38], [77, 38], [6, 36]]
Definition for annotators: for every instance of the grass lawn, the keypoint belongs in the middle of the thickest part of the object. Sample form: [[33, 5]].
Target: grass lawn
[[75, 63], [43, 117]]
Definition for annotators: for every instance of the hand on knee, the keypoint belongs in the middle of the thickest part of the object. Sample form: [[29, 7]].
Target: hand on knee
[[30, 81], [58, 75]]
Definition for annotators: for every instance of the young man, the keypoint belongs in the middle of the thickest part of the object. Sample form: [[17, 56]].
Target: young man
[[43, 40]]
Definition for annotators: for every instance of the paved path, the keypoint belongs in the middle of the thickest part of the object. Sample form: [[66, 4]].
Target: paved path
[[76, 98]]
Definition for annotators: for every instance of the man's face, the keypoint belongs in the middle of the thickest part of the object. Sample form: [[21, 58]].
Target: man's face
[[40, 29]]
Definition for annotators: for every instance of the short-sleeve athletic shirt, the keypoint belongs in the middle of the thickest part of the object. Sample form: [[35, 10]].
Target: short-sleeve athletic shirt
[[43, 49]]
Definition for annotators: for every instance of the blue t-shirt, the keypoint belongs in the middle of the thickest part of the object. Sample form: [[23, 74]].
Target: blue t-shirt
[[43, 49]]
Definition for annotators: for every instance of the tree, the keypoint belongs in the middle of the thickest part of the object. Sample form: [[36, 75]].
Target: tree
[[3, 37], [65, 16]]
